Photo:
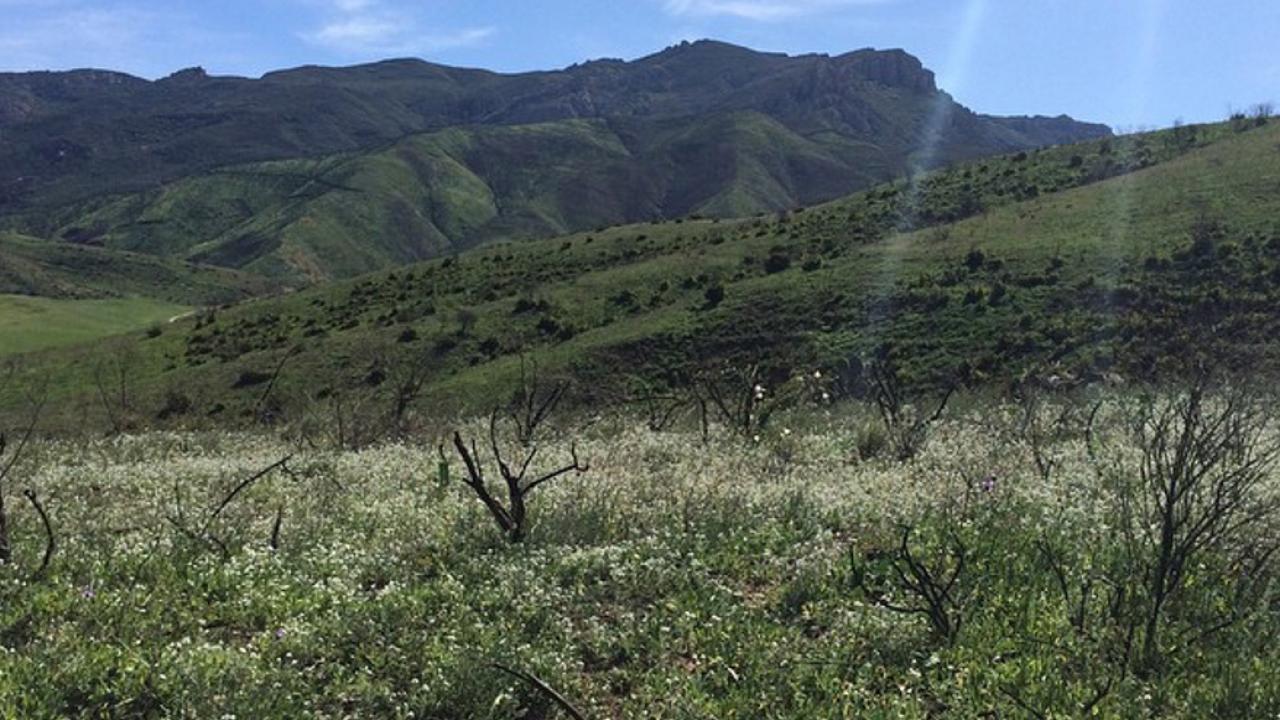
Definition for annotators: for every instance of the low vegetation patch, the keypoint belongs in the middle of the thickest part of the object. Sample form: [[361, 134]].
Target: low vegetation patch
[[1066, 554]]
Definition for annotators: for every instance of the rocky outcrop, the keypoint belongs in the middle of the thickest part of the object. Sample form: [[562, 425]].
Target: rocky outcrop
[[891, 68]]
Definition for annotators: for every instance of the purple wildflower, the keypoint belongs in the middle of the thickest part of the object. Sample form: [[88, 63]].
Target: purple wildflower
[[87, 592], [988, 484], [279, 633]]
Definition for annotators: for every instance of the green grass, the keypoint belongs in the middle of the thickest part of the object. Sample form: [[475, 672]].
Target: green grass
[[28, 324]]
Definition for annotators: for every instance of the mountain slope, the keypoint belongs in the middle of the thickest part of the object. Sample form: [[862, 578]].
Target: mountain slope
[[704, 127], [437, 193], [29, 266], [1114, 256]]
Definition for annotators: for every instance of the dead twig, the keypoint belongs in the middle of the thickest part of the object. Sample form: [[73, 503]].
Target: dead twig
[[50, 542], [542, 687]]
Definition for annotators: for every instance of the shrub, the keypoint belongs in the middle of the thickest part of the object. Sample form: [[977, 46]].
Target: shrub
[[870, 441], [776, 263], [176, 404], [974, 260], [250, 378]]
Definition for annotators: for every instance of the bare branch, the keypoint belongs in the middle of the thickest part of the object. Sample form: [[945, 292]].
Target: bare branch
[[575, 466], [246, 483], [275, 528], [50, 543], [550, 692]]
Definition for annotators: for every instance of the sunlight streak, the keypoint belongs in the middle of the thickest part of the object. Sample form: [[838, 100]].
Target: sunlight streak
[[955, 73], [1119, 214]]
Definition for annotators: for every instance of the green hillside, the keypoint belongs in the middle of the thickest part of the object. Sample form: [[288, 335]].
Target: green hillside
[[1114, 257], [434, 194], [29, 266], [36, 323]]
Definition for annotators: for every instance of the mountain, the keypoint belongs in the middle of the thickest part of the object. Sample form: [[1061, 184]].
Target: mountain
[[315, 173], [1114, 256]]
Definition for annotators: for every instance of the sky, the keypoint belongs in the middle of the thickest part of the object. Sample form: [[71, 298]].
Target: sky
[[1132, 64]]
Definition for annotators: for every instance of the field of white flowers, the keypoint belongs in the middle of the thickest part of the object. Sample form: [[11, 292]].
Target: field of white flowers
[[783, 576]]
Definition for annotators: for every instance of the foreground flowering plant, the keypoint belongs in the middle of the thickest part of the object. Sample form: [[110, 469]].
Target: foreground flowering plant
[[681, 577]]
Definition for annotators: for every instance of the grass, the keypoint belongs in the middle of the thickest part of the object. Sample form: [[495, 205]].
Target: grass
[[28, 324], [675, 579]]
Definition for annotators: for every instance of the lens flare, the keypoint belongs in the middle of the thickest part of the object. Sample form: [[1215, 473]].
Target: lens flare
[[932, 138]]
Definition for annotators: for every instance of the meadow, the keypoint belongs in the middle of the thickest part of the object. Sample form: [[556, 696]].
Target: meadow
[[1070, 553], [28, 324]]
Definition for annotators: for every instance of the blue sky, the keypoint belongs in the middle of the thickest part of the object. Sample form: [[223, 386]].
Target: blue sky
[[1129, 63]]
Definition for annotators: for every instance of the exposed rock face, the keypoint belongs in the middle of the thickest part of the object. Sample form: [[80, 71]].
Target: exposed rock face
[[891, 68], [188, 76]]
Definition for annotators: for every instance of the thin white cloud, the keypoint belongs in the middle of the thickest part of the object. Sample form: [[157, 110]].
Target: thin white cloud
[[759, 10], [356, 31], [75, 35], [352, 6], [367, 27]]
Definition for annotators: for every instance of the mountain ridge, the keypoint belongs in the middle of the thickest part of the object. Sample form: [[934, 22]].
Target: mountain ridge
[[448, 158], [89, 117]]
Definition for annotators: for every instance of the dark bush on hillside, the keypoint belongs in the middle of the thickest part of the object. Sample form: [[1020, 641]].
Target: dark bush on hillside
[[250, 378], [525, 305], [176, 404], [407, 335], [714, 295], [974, 260], [625, 299], [548, 326], [776, 263]]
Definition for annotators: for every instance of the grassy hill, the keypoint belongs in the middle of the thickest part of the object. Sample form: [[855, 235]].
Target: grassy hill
[[28, 323], [29, 266], [434, 194], [1109, 257]]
